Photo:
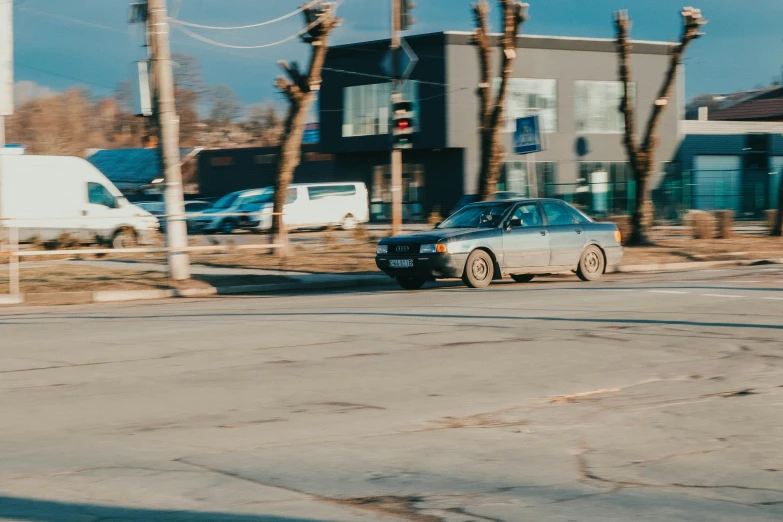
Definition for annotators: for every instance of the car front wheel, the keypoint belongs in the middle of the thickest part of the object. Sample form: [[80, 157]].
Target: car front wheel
[[592, 264], [522, 278], [410, 283], [226, 227], [479, 270]]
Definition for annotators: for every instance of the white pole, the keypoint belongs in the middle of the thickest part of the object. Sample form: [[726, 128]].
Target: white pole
[[13, 262]]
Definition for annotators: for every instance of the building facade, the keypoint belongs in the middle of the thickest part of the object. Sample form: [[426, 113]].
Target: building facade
[[569, 83]]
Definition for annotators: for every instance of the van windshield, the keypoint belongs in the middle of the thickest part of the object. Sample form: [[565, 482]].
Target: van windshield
[[226, 201]]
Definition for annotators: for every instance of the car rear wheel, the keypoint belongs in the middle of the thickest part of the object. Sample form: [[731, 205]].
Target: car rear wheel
[[410, 283], [522, 278], [349, 222], [479, 270], [592, 264]]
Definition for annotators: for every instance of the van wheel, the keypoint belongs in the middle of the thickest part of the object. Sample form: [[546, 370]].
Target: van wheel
[[125, 238], [349, 222], [479, 270]]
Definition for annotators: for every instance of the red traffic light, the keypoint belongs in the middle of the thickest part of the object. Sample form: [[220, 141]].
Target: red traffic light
[[403, 124]]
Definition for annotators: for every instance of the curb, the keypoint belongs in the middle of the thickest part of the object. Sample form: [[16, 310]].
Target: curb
[[116, 296], [695, 265]]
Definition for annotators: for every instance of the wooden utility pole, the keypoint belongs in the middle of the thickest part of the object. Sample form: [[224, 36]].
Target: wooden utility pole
[[176, 229], [396, 154]]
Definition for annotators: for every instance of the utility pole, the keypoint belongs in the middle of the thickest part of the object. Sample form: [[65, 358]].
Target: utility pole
[[176, 229], [396, 154], [6, 64]]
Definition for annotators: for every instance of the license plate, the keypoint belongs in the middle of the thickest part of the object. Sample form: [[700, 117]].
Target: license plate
[[401, 263]]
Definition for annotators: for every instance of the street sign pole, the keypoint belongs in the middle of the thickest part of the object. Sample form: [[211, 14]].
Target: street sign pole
[[6, 64], [396, 155]]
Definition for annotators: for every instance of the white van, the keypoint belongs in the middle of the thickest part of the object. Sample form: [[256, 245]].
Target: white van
[[315, 205], [45, 196]]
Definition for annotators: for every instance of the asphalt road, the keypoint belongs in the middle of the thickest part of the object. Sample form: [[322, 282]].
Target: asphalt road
[[652, 397]]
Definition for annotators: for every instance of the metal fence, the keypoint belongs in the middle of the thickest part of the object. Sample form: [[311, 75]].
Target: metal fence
[[11, 240]]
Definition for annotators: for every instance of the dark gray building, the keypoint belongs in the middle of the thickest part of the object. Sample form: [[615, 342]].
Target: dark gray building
[[570, 83]]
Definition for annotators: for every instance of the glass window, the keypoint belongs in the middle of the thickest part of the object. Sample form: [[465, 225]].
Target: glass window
[[226, 201], [331, 190], [531, 97], [367, 108], [597, 106], [556, 214], [291, 196], [99, 195], [478, 216], [578, 216], [529, 215]]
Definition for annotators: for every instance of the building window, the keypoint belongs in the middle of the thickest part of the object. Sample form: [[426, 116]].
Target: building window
[[604, 187], [367, 108], [597, 106], [515, 177], [531, 97]]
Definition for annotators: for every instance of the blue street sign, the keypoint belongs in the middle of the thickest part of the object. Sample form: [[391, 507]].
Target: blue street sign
[[527, 136]]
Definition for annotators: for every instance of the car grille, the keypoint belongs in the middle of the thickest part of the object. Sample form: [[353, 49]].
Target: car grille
[[403, 250]]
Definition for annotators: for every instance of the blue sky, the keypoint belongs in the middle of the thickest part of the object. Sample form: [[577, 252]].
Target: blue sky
[[60, 43]]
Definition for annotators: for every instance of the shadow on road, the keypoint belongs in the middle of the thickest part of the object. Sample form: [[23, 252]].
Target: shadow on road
[[30, 509]]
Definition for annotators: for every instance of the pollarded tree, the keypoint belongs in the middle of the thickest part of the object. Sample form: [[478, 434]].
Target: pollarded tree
[[300, 89], [491, 107], [641, 155]]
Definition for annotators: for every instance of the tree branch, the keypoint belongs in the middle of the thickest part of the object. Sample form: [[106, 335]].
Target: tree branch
[[623, 26], [481, 39], [692, 22], [514, 15]]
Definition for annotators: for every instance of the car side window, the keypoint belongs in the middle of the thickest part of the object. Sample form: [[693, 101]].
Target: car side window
[[556, 214], [290, 196], [97, 194], [578, 217], [529, 215]]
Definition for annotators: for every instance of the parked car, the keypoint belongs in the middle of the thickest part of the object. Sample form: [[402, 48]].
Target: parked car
[[193, 210], [473, 198], [315, 205], [486, 241], [47, 196], [227, 211]]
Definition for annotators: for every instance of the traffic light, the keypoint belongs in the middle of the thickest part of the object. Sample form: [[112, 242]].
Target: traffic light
[[406, 20], [402, 125]]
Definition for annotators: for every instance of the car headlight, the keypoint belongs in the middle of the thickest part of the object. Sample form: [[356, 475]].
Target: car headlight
[[437, 248], [382, 249]]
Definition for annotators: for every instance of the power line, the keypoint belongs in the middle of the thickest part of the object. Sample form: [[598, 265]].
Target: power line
[[72, 20], [230, 46], [61, 75], [260, 24]]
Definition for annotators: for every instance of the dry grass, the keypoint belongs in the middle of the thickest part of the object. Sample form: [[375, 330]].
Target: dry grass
[[48, 278], [686, 249], [725, 223], [701, 224]]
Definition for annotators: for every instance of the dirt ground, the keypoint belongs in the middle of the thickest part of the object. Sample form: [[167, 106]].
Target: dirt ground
[[334, 257], [49, 278]]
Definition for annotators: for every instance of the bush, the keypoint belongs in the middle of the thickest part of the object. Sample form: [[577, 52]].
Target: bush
[[623, 225], [771, 215], [360, 234], [435, 217], [725, 220], [701, 224]]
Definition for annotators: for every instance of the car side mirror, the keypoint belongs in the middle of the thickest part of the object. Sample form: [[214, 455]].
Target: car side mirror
[[514, 223]]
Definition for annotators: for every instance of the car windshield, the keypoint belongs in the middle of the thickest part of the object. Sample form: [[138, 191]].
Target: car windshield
[[478, 216], [226, 201]]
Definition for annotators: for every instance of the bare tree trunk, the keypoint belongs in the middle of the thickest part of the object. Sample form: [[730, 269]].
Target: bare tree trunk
[[300, 90], [777, 229], [642, 157], [491, 110]]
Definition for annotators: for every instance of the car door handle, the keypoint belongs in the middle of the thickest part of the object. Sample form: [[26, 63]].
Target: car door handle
[[543, 232]]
